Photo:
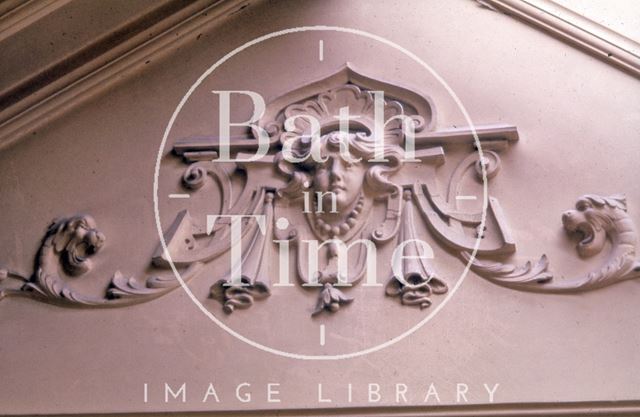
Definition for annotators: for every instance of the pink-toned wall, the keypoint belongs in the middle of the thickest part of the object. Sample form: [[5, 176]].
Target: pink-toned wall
[[579, 124]]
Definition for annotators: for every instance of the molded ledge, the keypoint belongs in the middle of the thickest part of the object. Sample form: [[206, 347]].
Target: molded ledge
[[105, 62], [578, 409], [611, 47]]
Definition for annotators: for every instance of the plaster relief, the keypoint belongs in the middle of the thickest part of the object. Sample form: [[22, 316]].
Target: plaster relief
[[69, 245], [350, 207], [596, 220]]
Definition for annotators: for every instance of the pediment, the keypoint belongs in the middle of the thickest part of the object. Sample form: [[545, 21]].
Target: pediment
[[463, 253]]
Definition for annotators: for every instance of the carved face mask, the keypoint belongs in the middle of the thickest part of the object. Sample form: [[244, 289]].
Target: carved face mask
[[340, 180]]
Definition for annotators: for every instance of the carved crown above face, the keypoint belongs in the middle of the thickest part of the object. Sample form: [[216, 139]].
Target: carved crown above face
[[351, 102], [274, 186]]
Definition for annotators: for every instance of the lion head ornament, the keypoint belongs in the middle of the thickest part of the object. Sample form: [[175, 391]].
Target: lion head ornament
[[597, 218], [75, 239]]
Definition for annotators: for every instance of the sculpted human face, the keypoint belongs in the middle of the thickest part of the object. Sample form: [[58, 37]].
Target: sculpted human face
[[342, 178]]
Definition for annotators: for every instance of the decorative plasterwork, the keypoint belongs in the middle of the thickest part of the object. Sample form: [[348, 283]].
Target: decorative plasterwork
[[596, 220], [358, 186], [419, 280], [274, 189], [577, 30], [68, 246]]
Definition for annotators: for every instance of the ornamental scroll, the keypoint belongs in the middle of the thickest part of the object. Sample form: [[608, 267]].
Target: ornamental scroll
[[369, 202]]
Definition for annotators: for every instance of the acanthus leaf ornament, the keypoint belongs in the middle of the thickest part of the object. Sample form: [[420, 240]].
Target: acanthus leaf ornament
[[377, 201], [360, 186], [68, 245], [596, 219], [529, 275]]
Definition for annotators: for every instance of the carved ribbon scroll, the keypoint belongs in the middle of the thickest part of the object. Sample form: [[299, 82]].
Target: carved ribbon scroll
[[376, 202]]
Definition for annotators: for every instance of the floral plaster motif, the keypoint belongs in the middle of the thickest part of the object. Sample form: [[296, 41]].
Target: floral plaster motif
[[349, 190]]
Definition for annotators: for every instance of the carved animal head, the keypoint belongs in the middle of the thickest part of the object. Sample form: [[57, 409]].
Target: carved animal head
[[594, 219], [75, 239]]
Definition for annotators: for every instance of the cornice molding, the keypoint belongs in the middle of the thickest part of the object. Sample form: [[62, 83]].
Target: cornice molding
[[65, 84], [15, 15], [33, 102], [575, 29], [577, 409]]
